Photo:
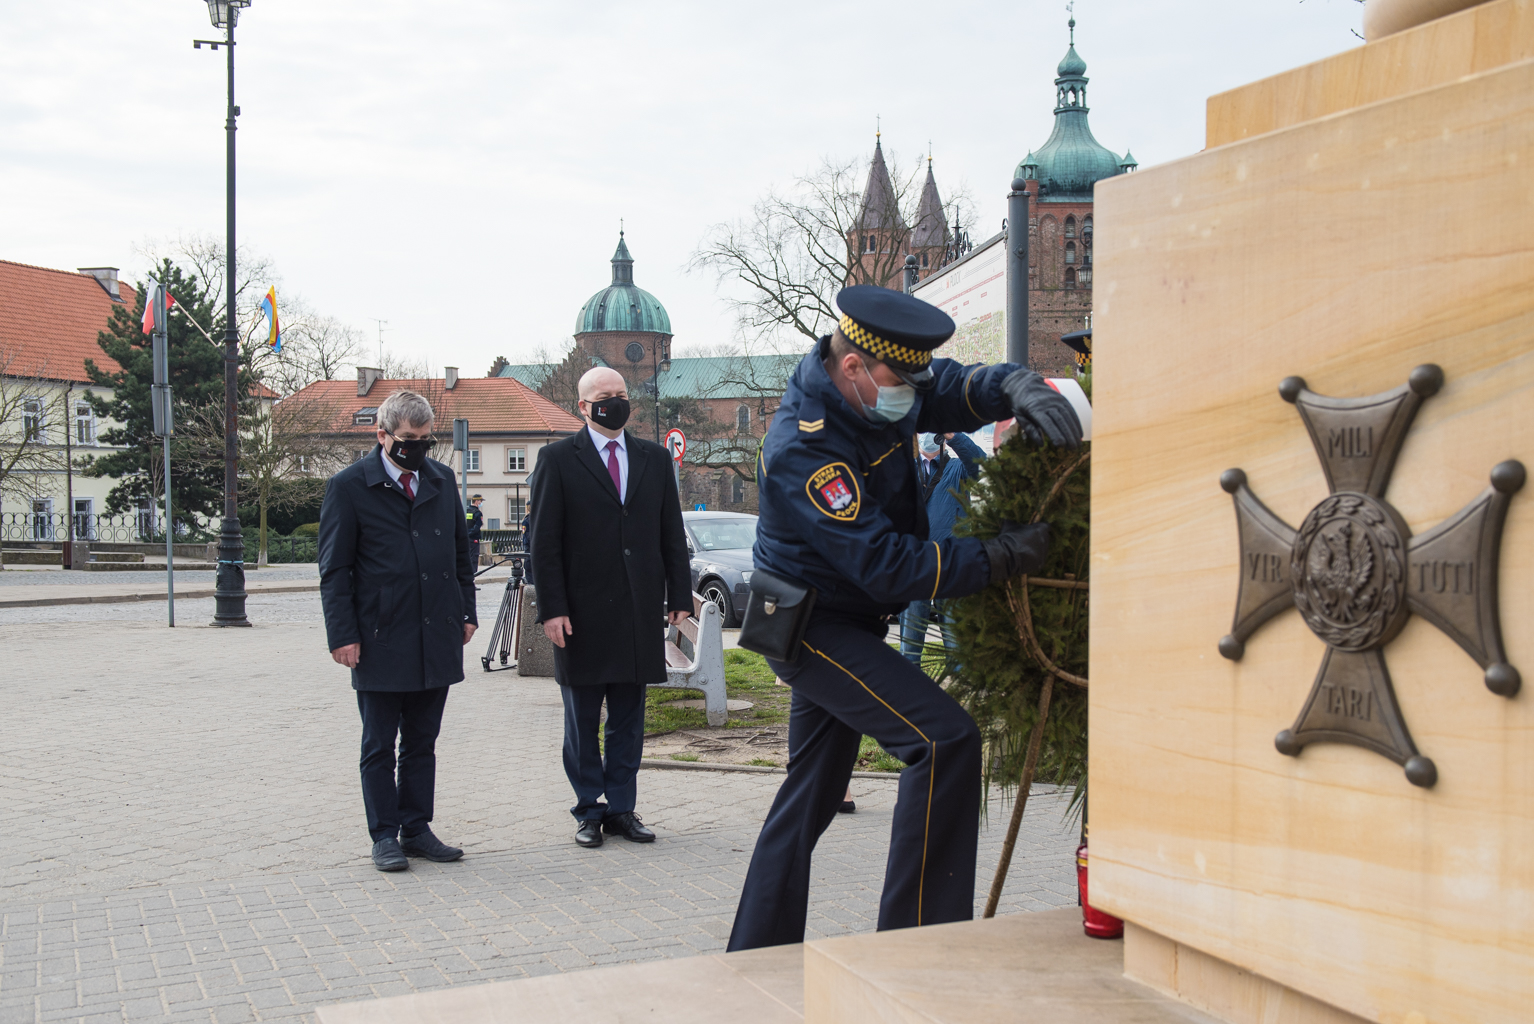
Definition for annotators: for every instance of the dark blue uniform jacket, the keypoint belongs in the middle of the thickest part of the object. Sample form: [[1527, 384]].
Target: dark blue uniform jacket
[[839, 504], [395, 575]]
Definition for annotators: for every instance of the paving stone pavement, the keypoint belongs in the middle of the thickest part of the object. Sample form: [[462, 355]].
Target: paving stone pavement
[[186, 840]]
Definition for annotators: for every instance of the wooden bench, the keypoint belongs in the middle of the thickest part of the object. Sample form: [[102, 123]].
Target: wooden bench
[[695, 657]]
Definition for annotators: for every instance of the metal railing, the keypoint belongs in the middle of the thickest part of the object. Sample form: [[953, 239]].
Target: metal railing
[[141, 527], [285, 550], [501, 542]]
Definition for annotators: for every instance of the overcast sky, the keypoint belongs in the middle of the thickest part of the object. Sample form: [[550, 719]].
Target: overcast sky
[[459, 169]]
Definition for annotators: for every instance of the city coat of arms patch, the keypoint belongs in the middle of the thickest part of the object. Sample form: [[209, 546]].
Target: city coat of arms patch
[[833, 489]]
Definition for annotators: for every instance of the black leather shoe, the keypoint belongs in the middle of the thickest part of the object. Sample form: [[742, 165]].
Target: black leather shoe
[[847, 807], [429, 846], [589, 834], [629, 827], [387, 856]]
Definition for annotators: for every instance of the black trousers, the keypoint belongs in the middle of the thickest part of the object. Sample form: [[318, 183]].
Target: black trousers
[[847, 682], [401, 803], [590, 774]]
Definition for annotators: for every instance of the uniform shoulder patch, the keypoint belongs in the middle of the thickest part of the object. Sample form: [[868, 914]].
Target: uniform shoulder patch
[[833, 489]]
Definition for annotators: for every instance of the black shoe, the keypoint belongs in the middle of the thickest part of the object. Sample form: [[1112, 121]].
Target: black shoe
[[628, 825], [429, 846], [589, 834], [847, 807], [387, 856]]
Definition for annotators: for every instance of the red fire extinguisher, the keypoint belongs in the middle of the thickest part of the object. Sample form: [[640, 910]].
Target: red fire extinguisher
[[1096, 923]]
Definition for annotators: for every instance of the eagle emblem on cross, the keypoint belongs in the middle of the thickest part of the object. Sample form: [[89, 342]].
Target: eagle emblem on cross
[[1355, 573]]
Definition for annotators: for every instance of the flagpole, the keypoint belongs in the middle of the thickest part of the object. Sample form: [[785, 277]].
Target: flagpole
[[162, 315]]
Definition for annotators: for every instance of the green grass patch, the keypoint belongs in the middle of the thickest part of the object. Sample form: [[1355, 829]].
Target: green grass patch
[[872, 758], [764, 762], [685, 757], [746, 677]]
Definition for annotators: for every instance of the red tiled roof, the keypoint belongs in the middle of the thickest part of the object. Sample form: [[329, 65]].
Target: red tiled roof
[[49, 320], [492, 405]]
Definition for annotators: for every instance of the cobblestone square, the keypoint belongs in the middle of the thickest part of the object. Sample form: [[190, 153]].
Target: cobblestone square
[[186, 836]]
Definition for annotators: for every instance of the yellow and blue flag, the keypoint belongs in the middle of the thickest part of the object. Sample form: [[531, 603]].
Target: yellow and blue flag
[[269, 307]]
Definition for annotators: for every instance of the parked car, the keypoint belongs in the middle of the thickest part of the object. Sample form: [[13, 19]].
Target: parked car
[[719, 546]]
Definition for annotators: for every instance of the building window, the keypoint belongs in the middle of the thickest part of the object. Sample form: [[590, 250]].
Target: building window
[[743, 419], [516, 460], [1086, 254], [471, 460], [737, 491], [303, 463], [85, 424], [1070, 252], [492, 524], [1070, 227], [516, 508], [924, 259], [362, 453], [1070, 278], [32, 419], [365, 417], [85, 520]]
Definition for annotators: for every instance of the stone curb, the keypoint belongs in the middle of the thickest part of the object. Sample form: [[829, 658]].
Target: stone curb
[[48, 602], [715, 766]]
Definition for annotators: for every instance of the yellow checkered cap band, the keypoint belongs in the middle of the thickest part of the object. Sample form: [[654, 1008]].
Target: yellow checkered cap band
[[880, 348]]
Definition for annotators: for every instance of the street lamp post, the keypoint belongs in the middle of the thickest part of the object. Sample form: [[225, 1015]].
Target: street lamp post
[[229, 591]]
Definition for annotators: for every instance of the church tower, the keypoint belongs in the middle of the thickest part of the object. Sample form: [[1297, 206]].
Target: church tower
[[881, 239], [623, 325]]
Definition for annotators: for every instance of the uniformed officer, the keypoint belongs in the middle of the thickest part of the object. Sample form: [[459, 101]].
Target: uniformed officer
[[476, 522], [840, 510]]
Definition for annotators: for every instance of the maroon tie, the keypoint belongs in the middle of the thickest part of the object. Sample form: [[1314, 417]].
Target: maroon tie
[[612, 468], [404, 481]]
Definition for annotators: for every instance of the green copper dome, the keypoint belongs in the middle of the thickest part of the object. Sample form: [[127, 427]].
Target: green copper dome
[[1072, 160], [622, 306]]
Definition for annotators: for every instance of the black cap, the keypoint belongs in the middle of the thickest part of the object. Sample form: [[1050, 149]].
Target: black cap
[[895, 328], [477, 497]]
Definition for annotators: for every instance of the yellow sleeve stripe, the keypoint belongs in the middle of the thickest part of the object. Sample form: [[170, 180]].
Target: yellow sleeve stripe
[[939, 549], [966, 392], [886, 455]]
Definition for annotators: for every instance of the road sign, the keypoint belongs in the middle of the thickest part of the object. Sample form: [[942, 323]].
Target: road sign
[[676, 444]]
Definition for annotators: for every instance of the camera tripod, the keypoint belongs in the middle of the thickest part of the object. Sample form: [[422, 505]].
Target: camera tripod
[[504, 634]]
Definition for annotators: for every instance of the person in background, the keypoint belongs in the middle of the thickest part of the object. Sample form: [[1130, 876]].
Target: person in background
[[940, 479], [476, 521], [397, 591]]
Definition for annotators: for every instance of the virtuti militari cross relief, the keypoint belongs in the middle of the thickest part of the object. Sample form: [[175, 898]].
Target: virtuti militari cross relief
[[1356, 573]]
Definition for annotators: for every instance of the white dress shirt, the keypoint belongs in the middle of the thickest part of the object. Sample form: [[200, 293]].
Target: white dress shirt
[[394, 471], [623, 457]]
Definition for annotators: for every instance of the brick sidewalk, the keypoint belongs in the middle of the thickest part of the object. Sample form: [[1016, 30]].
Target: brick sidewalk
[[187, 843]]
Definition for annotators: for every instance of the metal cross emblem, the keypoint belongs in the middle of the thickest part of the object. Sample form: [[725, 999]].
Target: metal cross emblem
[[1356, 573]]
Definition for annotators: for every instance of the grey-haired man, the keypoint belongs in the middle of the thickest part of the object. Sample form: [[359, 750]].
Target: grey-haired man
[[397, 587]]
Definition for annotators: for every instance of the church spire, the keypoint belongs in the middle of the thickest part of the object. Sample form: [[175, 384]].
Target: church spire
[[881, 210], [623, 263], [931, 226]]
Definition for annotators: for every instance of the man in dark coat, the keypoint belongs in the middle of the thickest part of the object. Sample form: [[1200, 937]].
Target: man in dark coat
[[611, 558], [397, 588]]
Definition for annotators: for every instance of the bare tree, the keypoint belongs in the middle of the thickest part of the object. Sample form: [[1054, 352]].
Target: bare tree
[[557, 375], [785, 262], [32, 409], [288, 449]]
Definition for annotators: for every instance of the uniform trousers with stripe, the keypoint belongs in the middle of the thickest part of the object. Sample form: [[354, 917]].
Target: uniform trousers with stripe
[[848, 682]]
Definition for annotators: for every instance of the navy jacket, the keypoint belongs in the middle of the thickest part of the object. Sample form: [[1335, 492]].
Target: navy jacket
[[395, 575], [614, 568], [943, 505], [839, 504]]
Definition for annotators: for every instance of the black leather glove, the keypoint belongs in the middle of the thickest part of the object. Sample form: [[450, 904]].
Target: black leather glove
[[1017, 550], [1041, 411]]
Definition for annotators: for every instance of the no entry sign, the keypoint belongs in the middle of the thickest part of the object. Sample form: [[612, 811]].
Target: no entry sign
[[676, 444]]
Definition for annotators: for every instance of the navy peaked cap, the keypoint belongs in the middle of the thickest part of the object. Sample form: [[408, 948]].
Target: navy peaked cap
[[895, 328]]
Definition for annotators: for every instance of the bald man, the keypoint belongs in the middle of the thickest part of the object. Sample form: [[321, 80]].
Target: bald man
[[610, 558]]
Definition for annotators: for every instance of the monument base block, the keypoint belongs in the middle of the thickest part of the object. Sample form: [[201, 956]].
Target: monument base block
[[1219, 988]]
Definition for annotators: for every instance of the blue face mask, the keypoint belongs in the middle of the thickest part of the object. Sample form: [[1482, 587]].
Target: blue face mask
[[892, 405]]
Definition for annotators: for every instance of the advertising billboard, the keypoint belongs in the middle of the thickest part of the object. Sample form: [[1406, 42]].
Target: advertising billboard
[[974, 292]]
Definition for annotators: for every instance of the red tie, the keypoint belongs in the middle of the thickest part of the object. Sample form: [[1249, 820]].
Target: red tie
[[404, 481], [612, 468]]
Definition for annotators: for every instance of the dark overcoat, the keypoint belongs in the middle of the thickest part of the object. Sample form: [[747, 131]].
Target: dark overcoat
[[396, 576], [614, 569]]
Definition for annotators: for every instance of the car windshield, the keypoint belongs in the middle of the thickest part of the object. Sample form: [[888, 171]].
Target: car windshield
[[724, 534]]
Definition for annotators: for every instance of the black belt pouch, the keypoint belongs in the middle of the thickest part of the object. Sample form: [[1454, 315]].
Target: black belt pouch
[[776, 616]]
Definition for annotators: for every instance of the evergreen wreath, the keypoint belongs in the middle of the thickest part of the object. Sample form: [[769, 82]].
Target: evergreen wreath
[[1019, 666]]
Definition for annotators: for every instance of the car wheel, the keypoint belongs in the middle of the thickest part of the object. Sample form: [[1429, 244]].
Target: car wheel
[[715, 592]]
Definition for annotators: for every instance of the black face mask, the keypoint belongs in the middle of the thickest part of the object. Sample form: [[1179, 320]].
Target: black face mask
[[611, 413], [410, 454]]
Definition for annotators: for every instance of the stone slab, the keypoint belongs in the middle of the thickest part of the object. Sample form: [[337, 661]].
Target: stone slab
[[759, 986], [534, 652], [1017, 968]]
